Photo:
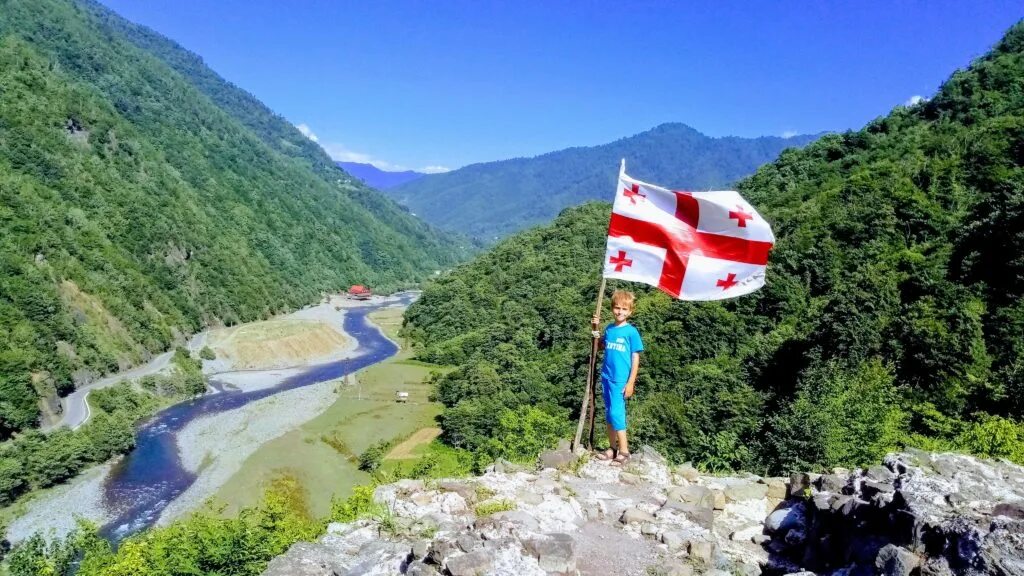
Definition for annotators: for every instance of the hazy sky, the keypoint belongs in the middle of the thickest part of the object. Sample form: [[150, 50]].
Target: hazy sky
[[448, 83]]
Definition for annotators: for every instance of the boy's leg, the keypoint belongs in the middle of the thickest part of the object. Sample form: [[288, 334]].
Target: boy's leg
[[623, 441], [613, 437]]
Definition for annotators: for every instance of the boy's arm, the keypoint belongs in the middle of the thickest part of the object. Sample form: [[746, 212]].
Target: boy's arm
[[632, 375]]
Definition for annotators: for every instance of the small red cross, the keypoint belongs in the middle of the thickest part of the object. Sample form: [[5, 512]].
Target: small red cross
[[741, 216], [633, 193], [620, 261], [729, 282]]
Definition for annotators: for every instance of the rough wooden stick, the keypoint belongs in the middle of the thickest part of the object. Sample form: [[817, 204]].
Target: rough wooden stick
[[588, 393]]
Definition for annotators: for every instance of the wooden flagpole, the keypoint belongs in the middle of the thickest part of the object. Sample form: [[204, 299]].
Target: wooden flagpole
[[590, 394]]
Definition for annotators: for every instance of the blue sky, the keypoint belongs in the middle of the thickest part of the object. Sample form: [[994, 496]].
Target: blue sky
[[447, 83]]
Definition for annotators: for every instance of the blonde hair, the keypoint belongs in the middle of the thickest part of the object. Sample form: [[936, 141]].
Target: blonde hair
[[623, 297]]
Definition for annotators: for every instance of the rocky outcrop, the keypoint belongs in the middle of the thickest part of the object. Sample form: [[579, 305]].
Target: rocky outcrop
[[918, 514]]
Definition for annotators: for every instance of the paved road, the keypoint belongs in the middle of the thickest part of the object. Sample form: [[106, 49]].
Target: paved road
[[76, 409]]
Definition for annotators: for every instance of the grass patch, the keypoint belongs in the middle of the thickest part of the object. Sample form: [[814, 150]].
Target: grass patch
[[493, 507]]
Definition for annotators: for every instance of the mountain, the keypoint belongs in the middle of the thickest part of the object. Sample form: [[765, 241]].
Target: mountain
[[142, 197], [494, 199], [376, 178], [893, 312]]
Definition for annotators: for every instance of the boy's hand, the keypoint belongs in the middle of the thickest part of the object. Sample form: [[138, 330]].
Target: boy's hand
[[595, 321], [628, 391]]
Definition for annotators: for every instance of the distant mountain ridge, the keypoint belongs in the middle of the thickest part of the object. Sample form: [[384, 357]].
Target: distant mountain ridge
[[493, 199], [376, 178]]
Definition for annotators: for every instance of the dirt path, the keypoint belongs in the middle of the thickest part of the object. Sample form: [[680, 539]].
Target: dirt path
[[404, 451]]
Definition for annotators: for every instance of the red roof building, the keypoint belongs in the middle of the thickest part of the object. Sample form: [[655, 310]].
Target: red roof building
[[359, 291]]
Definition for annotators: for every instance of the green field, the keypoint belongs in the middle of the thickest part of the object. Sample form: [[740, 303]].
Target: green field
[[322, 453]]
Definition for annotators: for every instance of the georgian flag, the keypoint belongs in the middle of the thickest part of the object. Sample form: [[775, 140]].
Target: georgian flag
[[692, 245]]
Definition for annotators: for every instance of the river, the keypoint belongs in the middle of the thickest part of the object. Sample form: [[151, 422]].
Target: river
[[150, 477]]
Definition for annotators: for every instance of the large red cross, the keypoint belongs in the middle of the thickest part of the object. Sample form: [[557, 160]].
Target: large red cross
[[633, 192], [682, 239], [740, 216], [728, 282], [620, 261]]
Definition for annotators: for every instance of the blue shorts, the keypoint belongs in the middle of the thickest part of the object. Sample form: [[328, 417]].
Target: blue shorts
[[614, 404]]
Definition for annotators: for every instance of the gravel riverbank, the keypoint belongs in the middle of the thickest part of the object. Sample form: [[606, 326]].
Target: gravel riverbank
[[56, 511]]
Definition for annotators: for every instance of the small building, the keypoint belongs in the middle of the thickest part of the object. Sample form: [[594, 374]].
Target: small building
[[401, 396], [359, 292]]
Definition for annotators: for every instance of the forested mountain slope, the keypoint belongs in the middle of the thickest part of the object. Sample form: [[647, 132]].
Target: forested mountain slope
[[893, 310], [494, 199], [142, 197], [377, 178]]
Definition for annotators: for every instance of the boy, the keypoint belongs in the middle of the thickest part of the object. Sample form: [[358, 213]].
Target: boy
[[622, 347]]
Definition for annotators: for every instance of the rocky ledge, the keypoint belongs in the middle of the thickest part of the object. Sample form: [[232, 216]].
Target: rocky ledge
[[918, 513]]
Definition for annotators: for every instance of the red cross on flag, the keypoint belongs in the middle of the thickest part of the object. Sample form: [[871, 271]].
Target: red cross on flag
[[692, 245]]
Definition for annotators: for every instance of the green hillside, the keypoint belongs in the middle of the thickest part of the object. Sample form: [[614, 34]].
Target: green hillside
[[142, 197], [494, 199], [892, 315]]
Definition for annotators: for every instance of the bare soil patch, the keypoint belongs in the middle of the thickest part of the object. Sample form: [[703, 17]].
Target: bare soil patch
[[407, 450]]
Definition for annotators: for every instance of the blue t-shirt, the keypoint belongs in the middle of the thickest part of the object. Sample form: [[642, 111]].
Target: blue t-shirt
[[619, 344]]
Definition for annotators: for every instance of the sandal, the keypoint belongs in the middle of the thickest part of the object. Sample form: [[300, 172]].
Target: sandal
[[608, 454], [621, 459]]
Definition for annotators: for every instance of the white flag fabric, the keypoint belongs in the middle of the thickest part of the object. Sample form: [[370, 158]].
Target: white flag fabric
[[692, 245]]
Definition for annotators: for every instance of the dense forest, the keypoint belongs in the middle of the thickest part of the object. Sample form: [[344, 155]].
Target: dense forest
[[892, 313], [143, 197], [494, 199]]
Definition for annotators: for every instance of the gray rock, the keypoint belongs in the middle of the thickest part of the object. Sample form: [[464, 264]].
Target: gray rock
[[471, 564], [649, 529], [895, 561], [687, 471], [673, 540], [557, 553], [798, 482], [439, 551], [703, 516], [831, 483], [634, 515], [696, 495], [674, 569], [701, 551], [880, 474], [631, 479], [822, 501], [776, 488], [420, 569], [518, 517], [745, 491], [468, 542], [1009, 509], [649, 454], [467, 492], [784, 519], [420, 549], [870, 488], [719, 497], [761, 539], [558, 459], [303, 559], [529, 497]]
